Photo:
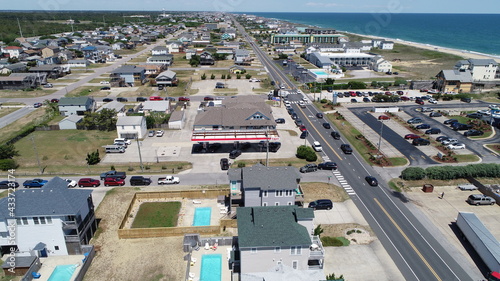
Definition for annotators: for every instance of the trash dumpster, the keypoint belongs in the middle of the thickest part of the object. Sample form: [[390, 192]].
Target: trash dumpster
[[428, 188]]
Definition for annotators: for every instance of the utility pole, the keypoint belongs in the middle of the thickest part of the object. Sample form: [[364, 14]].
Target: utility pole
[[36, 153], [19, 24], [267, 148], [140, 156], [380, 136]]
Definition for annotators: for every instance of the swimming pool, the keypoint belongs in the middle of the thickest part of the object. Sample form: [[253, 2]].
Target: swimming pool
[[202, 216], [63, 272], [318, 72], [211, 267]]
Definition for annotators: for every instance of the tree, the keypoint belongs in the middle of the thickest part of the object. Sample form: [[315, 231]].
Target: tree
[[329, 81], [8, 151], [223, 76], [105, 120], [282, 56], [194, 61], [228, 76], [93, 158], [318, 230], [203, 76], [238, 76], [51, 108], [248, 76]]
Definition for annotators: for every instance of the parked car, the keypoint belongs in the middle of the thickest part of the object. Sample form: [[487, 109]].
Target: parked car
[[122, 99], [208, 99], [224, 164], [494, 107], [354, 100], [139, 180], [433, 101], [104, 82], [8, 184], [141, 99], [450, 121], [321, 204], [54, 100], [37, 104], [365, 99], [298, 122], [423, 126], [48, 85], [426, 109], [480, 199], [302, 128], [114, 182], [420, 141], [435, 114], [107, 100], [442, 138], [254, 80], [474, 115], [460, 127], [467, 187], [456, 146], [414, 120], [327, 125], [34, 183], [327, 166], [405, 98], [449, 141], [319, 115], [184, 99], [471, 133], [421, 102], [151, 133], [88, 182], [468, 100], [384, 117], [309, 168], [317, 146], [304, 134], [335, 135], [155, 98], [105, 88], [411, 137], [168, 180], [484, 112], [160, 133], [280, 121], [71, 183], [371, 180], [433, 131], [346, 148], [234, 154]]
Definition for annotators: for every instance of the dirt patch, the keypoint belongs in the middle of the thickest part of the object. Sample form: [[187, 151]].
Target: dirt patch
[[131, 259], [315, 190], [363, 236]]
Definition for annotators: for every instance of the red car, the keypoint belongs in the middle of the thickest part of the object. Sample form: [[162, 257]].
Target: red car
[[405, 98], [421, 102], [88, 182], [155, 98], [54, 100], [207, 98], [302, 128], [184, 99], [411, 136], [384, 117], [114, 182]]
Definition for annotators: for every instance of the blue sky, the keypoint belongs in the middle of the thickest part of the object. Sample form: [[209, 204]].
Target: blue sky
[[353, 6]]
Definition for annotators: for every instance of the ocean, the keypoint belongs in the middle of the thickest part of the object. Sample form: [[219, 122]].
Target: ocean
[[469, 32]]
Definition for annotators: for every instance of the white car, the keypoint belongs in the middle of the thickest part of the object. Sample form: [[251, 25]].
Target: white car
[[104, 82], [433, 101], [449, 141], [287, 103], [456, 146], [168, 180], [317, 146], [159, 133], [254, 80], [484, 112], [494, 107], [71, 183]]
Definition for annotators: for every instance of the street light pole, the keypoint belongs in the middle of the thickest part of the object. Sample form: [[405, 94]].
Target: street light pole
[[140, 156], [380, 136]]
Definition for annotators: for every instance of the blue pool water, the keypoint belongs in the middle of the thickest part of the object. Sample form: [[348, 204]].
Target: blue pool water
[[211, 267], [62, 272], [202, 216], [318, 72]]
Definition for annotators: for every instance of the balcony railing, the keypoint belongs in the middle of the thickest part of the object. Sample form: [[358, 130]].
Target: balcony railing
[[317, 250], [71, 238]]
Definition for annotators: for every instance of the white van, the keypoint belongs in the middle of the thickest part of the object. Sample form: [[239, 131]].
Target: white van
[[122, 141], [114, 149]]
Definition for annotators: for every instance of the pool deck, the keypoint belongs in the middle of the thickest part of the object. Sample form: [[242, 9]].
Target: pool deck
[[186, 213], [50, 263], [196, 267]]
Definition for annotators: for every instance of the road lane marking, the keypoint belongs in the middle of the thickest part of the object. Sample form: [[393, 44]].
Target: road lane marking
[[407, 239]]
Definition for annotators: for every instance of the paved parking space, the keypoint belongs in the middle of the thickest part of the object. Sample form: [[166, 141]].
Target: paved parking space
[[242, 86]]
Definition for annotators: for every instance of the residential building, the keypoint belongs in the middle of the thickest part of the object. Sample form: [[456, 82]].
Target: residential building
[[306, 38], [238, 119], [78, 63], [206, 58], [166, 60], [320, 61], [51, 71], [50, 51], [12, 51], [159, 51], [265, 186], [132, 74], [386, 45], [19, 82], [91, 53], [131, 127], [70, 122], [76, 105], [117, 106], [52, 220], [177, 120], [174, 47], [379, 64], [276, 242], [480, 69], [152, 70], [320, 31], [190, 53], [156, 106], [454, 80], [166, 78], [241, 56], [343, 59]]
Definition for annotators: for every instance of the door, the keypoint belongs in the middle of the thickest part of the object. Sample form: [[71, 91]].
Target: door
[[43, 253]]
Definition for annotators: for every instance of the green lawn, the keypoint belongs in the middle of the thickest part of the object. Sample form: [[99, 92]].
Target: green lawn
[[157, 214], [7, 110], [466, 158]]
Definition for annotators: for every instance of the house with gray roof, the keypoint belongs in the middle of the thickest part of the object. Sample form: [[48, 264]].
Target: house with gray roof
[[166, 78], [131, 127], [454, 80], [480, 69], [241, 56], [167, 59], [52, 220], [265, 186], [70, 122], [76, 105], [276, 243], [133, 75]]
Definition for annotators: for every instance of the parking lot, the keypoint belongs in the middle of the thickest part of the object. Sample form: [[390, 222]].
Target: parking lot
[[240, 86]]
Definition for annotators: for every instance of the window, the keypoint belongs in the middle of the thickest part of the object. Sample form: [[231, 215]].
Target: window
[[42, 220], [295, 250], [264, 193], [254, 250], [295, 264], [56, 248], [264, 204], [35, 220], [49, 220], [25, 221], [18, 221], [289, 203], [276, 203], [277, 249]]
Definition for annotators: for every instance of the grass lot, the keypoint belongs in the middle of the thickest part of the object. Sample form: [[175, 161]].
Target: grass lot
[[124, 52], [315, 190], [7, 110], [26, 94], [466, 158], [68, 156], [86, 91], [157, 214], [10, 130]]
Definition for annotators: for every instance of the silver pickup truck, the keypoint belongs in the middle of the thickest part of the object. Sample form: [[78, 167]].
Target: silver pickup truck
[[467, 187]]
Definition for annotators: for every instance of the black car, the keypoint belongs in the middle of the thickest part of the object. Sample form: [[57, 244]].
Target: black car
[[435, 114], [468, 100], [475, 115], [433, 131], [327, 125], [280, 120], [321, 204], [298, 122], [224, 164], [346, 148], [335, 135], [371, 180], [213, 147], [141, 99], [365, 99], [294, 116], [122, 99], [442, 138], [139, 180], [420, 141], [309, 168], [234, 154], [274, 146], [471, 133], [327, 166], [450, 121], [8, 184], [105, 88], [304, 134], [107, 100], [460, 127], [319, 115], [423, 126], [354, 100]]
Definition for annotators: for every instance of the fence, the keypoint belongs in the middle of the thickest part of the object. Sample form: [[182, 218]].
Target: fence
[[90, 251], [48, 128]]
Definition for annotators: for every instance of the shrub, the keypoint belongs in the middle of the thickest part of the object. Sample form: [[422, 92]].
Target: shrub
[[306, 152], [228, 76], [223, 76], [248, 76], [241, 164], [238, 76], [331, 241], [413, 173], [93, 158], [7, 164], [203, 76], [212, 76]]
